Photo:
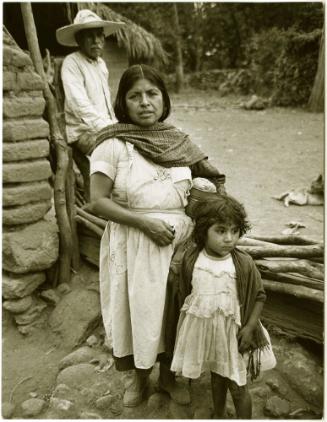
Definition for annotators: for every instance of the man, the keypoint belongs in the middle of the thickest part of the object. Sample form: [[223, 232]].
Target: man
[[85, 77]]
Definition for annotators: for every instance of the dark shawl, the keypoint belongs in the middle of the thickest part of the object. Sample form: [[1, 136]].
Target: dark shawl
[[161, 143]]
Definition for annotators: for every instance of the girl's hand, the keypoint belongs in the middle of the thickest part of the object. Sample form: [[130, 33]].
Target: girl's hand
[[159, 231], [244, 338]]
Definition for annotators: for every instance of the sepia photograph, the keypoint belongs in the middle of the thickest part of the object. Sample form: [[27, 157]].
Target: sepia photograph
[[163, 182]]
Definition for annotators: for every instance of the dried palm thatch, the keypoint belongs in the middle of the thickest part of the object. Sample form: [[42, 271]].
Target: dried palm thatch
[[141, 45]]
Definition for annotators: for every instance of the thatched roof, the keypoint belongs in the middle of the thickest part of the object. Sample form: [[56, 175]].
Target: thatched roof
[[140, 44]]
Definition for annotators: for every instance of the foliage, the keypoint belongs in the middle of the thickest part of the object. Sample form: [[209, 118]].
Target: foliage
[[261, 54], [276, 44], [296, 68], [225, 81]]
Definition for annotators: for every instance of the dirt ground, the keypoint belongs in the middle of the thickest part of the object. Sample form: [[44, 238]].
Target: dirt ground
[[262, 153]]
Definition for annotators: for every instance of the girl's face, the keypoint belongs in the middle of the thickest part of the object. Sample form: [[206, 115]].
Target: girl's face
[[221, 239], [144, 103]]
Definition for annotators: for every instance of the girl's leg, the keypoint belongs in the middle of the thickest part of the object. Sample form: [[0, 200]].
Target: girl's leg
[[219, 386], [241, 399], [179, 393]]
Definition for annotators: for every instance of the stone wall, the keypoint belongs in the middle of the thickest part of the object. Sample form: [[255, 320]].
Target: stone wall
[[30, 237]]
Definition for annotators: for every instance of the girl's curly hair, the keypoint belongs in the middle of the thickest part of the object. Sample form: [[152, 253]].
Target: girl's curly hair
[[226, 210]]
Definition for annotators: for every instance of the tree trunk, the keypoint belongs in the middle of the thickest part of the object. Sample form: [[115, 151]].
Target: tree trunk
[[198, 38], [236, 44], [65, 234], [179, 68], [317, 98]]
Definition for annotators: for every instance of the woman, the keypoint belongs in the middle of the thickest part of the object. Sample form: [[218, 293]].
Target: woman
[[144, 196]]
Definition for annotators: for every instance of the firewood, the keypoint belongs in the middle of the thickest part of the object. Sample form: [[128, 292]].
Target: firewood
[[320, 260], [290, 251], [286, 239], [94, 219], [297, 279], [295, 266], [249, 241], [91, 226], [297, 291], [80, 196], [78, 202], [90, 248]]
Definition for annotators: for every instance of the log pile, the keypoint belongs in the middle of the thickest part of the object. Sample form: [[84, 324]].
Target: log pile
[[291, 267]]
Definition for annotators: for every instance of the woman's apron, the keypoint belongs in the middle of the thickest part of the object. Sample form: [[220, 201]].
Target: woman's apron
[[133, 268]]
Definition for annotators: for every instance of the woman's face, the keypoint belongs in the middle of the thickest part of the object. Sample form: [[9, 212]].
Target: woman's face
[[144, 103]]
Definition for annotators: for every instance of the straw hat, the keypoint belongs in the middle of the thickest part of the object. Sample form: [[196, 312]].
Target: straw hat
[[85, 19]]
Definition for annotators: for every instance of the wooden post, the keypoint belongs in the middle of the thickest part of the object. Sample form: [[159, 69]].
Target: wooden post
[[70, 177], [65, 249]]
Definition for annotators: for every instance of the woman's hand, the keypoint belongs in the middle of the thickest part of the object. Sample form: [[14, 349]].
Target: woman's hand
[[245, 338], [159, 231]]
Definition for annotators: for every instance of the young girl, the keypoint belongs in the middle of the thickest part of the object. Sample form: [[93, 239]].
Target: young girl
[[219, 328]]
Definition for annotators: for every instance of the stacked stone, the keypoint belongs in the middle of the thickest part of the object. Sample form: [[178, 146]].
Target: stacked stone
[[30, 241]]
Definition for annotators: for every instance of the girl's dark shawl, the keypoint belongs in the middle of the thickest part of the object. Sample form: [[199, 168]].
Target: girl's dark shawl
[[249, 288], [161, 143]]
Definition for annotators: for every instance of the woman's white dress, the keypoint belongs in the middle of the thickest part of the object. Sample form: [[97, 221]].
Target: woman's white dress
[[209, 322], [133, 268]]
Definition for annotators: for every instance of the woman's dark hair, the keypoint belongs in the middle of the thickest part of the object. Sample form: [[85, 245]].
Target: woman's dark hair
[[128, 79], [225, 210]]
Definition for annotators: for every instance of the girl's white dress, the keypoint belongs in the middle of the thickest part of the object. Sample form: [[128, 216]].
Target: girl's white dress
[[209, 322], [133, 268]]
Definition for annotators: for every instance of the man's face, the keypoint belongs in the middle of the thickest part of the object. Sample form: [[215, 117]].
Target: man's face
[[91, 42]]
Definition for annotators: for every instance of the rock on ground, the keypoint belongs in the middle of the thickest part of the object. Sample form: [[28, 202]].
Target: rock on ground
[[32, 407], [82, 355], [7, 410], [63, 408], [277, 407], [78, 376], [297, 364], [76, 315]]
